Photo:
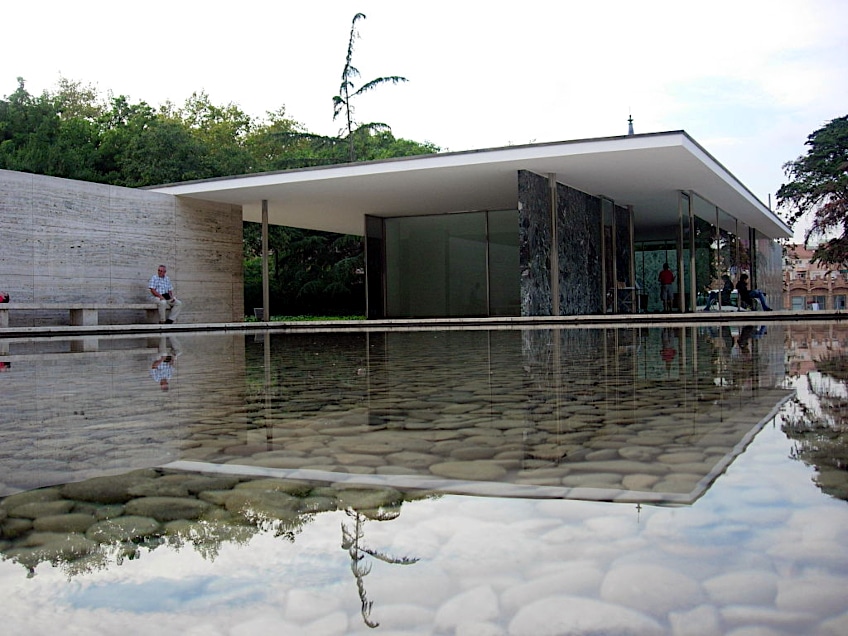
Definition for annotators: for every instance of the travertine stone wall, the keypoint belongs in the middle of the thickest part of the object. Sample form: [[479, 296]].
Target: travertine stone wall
[[74, 241]]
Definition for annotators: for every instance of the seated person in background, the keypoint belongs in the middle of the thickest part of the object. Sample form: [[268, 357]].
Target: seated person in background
[[722, 296], [746, 296], [164, 295]]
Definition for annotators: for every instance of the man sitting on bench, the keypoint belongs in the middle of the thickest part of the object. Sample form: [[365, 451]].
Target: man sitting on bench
[[747, 297], [722, 297], [164, 295]]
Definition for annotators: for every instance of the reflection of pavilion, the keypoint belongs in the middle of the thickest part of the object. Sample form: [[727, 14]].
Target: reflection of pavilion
[[603, 414], [568, 413]]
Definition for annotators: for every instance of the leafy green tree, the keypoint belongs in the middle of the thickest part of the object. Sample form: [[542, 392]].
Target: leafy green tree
[[221, 131], [280, 143], [376, 144], [819, 185], [77, 100], [39, 135], [303, 149], [140, 147], [348, 91]]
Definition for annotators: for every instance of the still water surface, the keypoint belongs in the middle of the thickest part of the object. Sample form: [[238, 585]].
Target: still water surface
[[528, 481]]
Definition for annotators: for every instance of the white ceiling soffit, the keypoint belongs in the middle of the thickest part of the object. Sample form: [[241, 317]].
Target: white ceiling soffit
[[646, 171]]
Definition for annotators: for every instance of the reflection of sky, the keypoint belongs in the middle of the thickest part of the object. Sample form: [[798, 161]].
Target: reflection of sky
[[189, 594], [239, 575], [760, 509]]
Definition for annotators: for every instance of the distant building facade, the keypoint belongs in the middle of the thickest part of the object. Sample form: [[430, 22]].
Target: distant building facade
[[812, 286]]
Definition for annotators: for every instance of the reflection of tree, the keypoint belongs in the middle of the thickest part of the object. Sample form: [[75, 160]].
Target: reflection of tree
[[352, 541], [819, 426], [95, 535]]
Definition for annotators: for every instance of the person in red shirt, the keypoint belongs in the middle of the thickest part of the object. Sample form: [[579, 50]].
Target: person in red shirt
[[666, 278]]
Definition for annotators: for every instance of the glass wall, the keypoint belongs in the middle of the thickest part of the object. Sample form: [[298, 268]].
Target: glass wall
[[767, 273], [684, 295], [650, 256], [715, 243], [504, 265], [728, 247], [707, 267], [744, 263], [452, 265], [468, 264]]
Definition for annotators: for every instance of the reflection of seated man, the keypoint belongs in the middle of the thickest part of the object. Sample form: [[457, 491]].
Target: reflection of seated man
[[162, 368], [723, 296]]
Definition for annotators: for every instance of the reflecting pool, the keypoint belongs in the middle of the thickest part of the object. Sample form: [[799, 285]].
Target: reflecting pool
[[685, 480]]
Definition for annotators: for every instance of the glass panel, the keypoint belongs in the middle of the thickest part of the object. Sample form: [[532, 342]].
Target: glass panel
[[374, 266], [744, 262], [703, 209], [436, 265], [798, 303], [504, 266], [768, 268], [728, 248], [681, 294], [707, 276], [650, 256]]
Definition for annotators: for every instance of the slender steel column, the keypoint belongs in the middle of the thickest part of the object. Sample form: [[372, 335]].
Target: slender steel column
[[266, 290]]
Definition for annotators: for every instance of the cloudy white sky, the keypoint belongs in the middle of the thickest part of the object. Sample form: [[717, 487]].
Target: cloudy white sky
[[748, 79]]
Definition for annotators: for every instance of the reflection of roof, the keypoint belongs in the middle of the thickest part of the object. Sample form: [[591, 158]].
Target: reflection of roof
[[646, 171]]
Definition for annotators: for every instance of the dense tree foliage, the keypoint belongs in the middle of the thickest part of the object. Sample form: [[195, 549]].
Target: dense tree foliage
[[311, 272], [73, 132], [819, 186]]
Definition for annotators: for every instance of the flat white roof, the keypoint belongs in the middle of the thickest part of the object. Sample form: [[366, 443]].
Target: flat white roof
[[646, 171]]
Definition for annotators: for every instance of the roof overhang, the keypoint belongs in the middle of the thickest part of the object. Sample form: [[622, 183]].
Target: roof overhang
[[646, 171]]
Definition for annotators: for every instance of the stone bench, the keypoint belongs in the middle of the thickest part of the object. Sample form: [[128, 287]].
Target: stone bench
[[80, 314]]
